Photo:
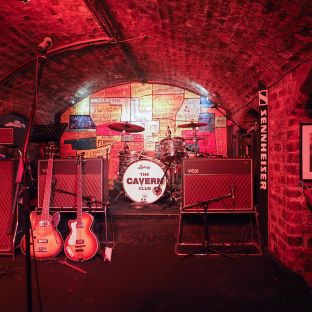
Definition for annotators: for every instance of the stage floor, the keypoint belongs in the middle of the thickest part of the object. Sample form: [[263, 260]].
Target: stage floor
[[150, 277]]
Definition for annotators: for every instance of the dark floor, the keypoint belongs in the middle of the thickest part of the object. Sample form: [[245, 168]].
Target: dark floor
[[150, 277], [145, 274]]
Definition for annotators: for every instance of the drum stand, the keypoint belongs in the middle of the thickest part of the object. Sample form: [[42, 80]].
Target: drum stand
[[169, 166], [120, 192], [195, 140], [120, 189]]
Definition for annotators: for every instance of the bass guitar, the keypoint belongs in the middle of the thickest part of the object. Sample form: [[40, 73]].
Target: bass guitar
[[81, 243], [46, 241]]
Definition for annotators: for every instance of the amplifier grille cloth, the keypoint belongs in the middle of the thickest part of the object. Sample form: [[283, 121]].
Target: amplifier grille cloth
[[204, 187], [6, 201]]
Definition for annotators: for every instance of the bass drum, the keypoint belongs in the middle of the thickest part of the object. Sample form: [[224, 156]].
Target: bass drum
[[144, 181]]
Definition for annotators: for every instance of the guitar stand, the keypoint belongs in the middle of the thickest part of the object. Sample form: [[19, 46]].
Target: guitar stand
[[107, 252]]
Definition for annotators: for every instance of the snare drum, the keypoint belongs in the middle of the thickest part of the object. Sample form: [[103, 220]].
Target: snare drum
[[172, 148], [144, 181], [179, 145], [166, 147]]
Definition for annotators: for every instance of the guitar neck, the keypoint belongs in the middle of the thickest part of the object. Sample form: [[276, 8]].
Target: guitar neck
[[47, 190], [79, 192]]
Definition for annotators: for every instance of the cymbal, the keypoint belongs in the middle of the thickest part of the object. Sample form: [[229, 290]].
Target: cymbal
[[193, 125], [125, 126]]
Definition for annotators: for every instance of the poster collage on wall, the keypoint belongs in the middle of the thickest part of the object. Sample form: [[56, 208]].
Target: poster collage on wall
[[153, 107]]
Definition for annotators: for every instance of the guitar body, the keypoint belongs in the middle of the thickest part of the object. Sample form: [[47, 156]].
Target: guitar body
[[81, 243], [46, 241]]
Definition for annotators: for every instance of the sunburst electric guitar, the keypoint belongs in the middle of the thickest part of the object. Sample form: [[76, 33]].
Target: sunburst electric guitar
[[81, 243], [45, 240]]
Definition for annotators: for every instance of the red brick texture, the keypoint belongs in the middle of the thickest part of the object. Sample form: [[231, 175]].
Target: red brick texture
[[290, 217]]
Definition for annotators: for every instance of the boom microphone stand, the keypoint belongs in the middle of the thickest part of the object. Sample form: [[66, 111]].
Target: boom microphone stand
[[21, 172], [206, 249]]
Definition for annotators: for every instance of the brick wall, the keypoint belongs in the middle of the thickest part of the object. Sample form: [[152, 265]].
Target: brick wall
[[290, 218]]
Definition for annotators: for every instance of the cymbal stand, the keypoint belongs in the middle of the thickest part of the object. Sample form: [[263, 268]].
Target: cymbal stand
[[120, 189], [195, 140], [172, 182]]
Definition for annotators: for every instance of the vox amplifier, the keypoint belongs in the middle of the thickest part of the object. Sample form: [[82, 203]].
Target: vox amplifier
[[222, 183], [7, 186]]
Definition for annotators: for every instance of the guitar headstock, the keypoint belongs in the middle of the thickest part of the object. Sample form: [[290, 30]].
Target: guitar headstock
[[50, 151], [81, 158]]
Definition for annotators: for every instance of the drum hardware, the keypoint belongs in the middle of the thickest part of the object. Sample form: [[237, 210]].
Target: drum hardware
[[171, 149], [172, 181], [126, 157], [168, 133], [194, 125], [125, 127]]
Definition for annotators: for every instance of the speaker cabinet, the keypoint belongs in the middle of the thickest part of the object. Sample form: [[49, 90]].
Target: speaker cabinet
[[64, 183], [213, 179], [7, 174]]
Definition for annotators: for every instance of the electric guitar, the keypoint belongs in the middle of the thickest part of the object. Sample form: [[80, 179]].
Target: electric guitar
[[81, 243], [45, 240]]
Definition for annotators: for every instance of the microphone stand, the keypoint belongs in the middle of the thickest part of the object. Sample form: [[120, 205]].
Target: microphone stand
[[205, 249], [21, 175]]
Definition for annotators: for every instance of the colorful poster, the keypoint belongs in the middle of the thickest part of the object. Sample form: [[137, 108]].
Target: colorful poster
[[190, 95], [166, 89], [189, 111], [77, 122], [81, 108], [141, 89], [117, 91], [220, 122], [142, 108], [105, 112], [159, 109], [166, 106]]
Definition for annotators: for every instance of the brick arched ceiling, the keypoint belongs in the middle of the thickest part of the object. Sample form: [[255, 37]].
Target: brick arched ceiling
[[222, 47]]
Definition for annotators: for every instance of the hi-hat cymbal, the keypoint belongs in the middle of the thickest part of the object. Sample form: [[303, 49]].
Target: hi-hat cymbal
[[125, 126], [193, 125]]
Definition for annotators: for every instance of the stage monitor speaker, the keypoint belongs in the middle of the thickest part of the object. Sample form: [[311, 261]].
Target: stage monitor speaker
[[7, 174], [64, 183], [206, 179]]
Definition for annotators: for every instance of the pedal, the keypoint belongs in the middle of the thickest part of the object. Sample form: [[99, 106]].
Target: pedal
[[107, 254]]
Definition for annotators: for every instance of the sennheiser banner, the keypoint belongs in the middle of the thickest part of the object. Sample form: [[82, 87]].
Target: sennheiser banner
[[263, 174]]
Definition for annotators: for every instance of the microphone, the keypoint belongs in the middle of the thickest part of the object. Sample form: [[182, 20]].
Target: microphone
[[44, 44], [232, 191]]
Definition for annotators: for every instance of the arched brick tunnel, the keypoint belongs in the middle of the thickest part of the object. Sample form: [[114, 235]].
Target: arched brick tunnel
[[218, 50]]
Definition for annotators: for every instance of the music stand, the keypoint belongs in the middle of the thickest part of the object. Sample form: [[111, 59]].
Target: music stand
[[48, 133]]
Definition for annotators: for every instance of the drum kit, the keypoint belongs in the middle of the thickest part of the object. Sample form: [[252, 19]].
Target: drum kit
[[144, 179]]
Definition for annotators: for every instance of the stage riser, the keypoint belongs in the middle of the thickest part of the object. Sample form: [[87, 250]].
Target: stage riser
[[164, 228], [221, 229], [133, 229], [139, 229], [136, 229]]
